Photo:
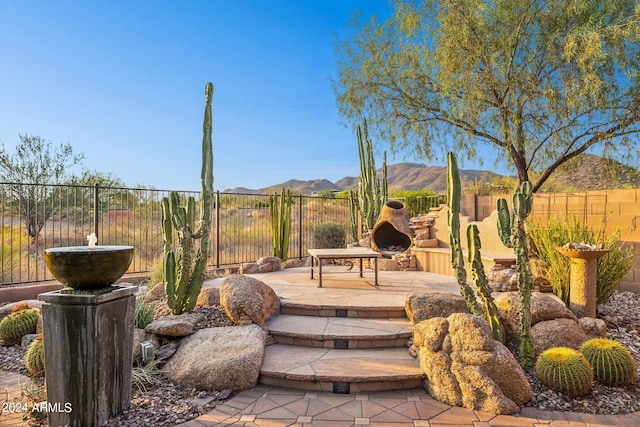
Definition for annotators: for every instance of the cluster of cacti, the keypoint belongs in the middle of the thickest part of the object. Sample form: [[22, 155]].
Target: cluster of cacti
[[21, 321], [565, 370], [184, 269], [489, 310], [280, 212], [511, 228], [612, 362], [34, 357], [372, 192]]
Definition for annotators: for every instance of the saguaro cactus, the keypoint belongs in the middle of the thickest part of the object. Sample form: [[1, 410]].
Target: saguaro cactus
[[513, 235], [372, 192], [184, 270], [280, 210]]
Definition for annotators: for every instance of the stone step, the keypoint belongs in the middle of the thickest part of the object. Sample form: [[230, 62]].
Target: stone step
[[339, 371], [340, 332], [341, 310]]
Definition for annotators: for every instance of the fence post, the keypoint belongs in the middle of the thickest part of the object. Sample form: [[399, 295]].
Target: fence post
[[300, 227], [96, 198], [218, 229]]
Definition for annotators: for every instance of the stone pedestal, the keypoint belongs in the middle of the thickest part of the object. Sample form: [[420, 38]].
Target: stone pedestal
[[582, 282], [88, 337]]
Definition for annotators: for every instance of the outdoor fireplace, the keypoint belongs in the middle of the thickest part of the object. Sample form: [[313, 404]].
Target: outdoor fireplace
[[391, 234]]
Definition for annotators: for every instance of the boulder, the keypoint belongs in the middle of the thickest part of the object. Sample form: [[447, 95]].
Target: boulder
[[219, 358], [466, 367], [246, 299], [544, 306], [424, 305], [539, 270], [557, 333], [593, 328], [265, 264], [157, 293], [208, 297], [503, 280], [174, 325]]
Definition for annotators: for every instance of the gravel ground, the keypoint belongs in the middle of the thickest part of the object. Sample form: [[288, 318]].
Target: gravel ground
[[165, 404]]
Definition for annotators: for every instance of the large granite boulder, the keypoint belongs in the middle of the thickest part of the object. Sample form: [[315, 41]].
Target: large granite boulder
[[219, 358], [248, 300], [208, 297], [544, 306], [425, 305], [265, 264], [466, 367], [557, 333]]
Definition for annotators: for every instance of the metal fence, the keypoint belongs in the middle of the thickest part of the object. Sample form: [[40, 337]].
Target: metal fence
[[36, 217]]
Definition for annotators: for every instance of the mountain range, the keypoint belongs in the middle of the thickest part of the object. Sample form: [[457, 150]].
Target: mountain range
[[588, 172]]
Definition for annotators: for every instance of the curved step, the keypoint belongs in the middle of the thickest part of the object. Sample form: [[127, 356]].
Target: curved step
[[340, 371], [339, 332], [341, 310]]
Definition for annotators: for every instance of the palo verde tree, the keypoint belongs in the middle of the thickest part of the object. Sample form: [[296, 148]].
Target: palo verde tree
[[35, 165], [538, 81]]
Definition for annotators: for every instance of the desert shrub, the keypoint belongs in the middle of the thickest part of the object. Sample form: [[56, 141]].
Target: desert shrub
[[34, 357], [21, 321], [612, 267], [144, 313], [418, 201], [326, 235]]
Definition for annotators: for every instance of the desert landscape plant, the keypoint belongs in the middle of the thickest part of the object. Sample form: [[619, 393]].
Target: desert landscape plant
[[565, 370], [19, 322], [34, 357], [612, 362], [328, 235], [560, 230], [280, 214]]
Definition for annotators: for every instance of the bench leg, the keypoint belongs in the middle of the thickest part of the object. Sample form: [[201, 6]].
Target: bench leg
[[375, 269], [311, 265], [319, 273], [361, 267]]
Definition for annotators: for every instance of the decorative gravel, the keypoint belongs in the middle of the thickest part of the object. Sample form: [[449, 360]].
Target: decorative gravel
[[166, 404]]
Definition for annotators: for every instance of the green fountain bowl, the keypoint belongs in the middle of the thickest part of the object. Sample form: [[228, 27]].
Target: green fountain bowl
[[82, 268]]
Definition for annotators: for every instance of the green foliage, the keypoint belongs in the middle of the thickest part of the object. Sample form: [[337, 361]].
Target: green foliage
[[612, 362], [146, 375], [511, 229], [418, 201], [20, 322], [565, 370], [327, 194], [372, 191], [612, 267], [539, 83], [34, 357], [327, 235], [280, 211], [36, 161], [144, 313], [184, 269]]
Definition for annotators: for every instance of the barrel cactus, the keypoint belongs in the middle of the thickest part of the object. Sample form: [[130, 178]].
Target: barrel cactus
[[34, 358], [21, 321], [565, 370], [612, 362]]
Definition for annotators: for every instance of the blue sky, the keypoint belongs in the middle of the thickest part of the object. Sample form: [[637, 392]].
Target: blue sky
[[123, 82]]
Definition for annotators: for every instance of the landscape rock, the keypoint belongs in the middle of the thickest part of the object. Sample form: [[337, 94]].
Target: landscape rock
[[27, 340], [504, 280], [557, 333], [157, 293], [219, 358], [265, 264], [424, 305], [208, 297], [246, 298], [593, 328], [466, 367], [544, 306], [174, 325]]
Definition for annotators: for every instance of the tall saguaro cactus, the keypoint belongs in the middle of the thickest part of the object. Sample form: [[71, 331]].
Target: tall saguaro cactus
[[280, 212], [511, 228], [184, 269], [372, 192]]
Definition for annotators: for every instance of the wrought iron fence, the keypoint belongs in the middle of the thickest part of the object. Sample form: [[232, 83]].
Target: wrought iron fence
[[36, 217]]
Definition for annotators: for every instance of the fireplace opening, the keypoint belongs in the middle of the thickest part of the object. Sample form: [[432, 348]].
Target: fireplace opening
[[391, 234]]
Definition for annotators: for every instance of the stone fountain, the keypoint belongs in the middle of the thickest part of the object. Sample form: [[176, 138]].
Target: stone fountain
[[88, 334]]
